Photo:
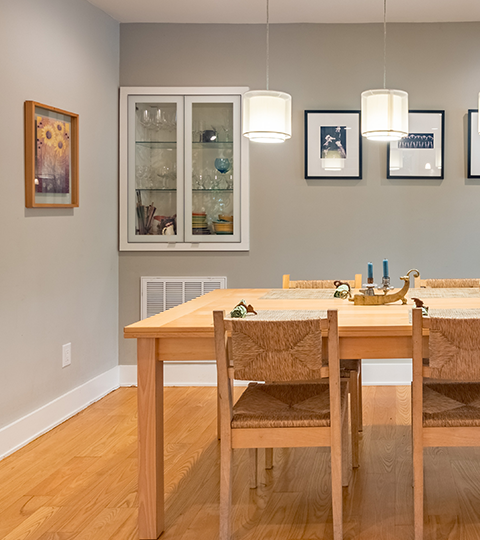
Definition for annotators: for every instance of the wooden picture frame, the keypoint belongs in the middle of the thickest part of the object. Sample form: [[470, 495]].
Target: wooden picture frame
[[333, 145], [51, 157], [421, 154]]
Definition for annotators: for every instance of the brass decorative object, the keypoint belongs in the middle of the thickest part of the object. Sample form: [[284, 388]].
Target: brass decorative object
[[365, 299]]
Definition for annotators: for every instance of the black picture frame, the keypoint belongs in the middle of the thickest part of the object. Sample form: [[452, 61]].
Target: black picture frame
[[333, 145], [473, 159], [421, 154]]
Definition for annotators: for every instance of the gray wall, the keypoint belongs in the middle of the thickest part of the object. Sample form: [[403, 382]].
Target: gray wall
[[58, 267], [328, 228]]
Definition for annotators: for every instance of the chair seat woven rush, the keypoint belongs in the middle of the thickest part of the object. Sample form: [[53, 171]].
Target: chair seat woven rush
[[285, 405], [452, 404]]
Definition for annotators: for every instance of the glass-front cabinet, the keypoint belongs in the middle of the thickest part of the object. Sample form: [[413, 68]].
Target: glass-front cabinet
[[183, 170]]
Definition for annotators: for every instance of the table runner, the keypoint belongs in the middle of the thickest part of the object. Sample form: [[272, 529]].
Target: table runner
[[314, 294], [453, 313], [286, 315], [298, 294], [443, 293]]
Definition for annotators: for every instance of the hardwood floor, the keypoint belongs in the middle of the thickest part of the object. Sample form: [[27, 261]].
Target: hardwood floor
[[78, 482]]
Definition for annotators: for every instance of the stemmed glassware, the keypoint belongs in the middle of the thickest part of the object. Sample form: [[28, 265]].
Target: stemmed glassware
[[168, 175], [222, 165], [158, 119]]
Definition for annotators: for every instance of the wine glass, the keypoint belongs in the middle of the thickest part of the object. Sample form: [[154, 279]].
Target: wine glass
[[145, 118], [207, 179], [222, 165], [157, 120]]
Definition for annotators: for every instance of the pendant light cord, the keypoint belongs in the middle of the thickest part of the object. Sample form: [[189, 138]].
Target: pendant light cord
[[268, 44], [384, 44]]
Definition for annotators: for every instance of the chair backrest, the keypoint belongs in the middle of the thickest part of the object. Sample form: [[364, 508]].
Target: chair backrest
[[446, 283], [319, 283], [276, 350], [454, 349]]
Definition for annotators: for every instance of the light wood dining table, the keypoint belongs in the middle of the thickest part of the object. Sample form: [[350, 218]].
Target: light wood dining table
[[185, 333]]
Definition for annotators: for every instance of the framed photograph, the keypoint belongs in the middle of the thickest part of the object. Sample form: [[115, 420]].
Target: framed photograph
[[473, 163], [420, 154], [333, 145], [51, 157]]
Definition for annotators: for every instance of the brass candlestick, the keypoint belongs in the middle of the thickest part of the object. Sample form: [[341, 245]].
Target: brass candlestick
[[369, 299]]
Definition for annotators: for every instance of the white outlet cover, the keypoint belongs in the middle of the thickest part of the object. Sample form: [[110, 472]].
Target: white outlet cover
[[66, 354]]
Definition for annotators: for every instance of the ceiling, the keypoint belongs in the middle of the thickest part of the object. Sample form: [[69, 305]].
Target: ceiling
[[289, 11]]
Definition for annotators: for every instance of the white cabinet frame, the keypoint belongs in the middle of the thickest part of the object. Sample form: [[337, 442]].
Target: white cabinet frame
[[241, 195]]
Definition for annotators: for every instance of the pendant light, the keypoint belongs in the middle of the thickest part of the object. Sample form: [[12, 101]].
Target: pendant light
[[267, 114], [384, 112]]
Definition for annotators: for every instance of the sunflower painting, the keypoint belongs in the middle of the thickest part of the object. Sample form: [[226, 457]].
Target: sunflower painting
[[52, 155]]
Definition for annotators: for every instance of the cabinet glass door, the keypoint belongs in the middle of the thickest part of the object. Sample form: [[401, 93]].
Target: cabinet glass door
[[155, 169], [212, 169]]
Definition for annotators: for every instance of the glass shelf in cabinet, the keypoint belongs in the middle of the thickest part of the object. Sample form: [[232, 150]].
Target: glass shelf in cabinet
[[212, 190], [212, 144], [157, 144], [157, 189]]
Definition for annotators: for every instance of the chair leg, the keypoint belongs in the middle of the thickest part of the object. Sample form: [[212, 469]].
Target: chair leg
[[418, 494], [417, 447], [218, 406], [268, 458], [345, 450], [253, 468], [337, 495], [360, 399], [225, 488], [355, 415], [218, 414]]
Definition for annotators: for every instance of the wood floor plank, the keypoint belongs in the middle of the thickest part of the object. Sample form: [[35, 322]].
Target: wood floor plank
[[33, 526], [17, 512], [439, 483], [79, 481]]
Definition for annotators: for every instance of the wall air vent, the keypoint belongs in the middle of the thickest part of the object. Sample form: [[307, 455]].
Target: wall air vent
[[161, 293]]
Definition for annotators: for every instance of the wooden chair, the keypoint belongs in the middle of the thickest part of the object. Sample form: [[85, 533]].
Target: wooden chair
[[443, 413], [347, 366], [292, 412], [446, 283], [287, 283]]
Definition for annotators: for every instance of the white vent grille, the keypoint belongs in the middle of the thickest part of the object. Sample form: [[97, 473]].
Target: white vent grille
[[161, 293]]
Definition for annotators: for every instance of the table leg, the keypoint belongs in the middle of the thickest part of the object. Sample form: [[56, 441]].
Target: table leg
[[150, 440]]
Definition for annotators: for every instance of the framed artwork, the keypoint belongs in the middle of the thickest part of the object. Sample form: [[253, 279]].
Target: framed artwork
[[333, 145], [420, 154], [473, 163], [51, 157]]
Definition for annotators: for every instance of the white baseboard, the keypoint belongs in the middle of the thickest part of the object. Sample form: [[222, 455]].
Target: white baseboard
[[374, 373], [202, 373], [127, 375], [38, 422], [390, 372]]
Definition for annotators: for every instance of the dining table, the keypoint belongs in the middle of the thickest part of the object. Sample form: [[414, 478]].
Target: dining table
[[186, 333]]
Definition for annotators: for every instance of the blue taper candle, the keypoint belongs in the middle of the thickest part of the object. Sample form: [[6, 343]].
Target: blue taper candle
[[385, 268], [370, 270]]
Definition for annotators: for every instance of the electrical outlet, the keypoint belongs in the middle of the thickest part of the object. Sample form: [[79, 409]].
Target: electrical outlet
[[66, 355]]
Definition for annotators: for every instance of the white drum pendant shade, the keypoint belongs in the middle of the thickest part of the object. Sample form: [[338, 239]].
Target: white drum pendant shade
[[384, 114], [267, 116]]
